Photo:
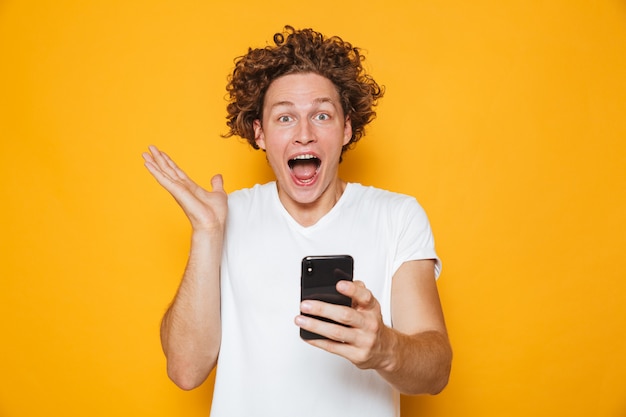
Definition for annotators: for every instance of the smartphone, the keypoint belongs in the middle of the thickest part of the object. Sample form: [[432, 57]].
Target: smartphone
[[318, 281]]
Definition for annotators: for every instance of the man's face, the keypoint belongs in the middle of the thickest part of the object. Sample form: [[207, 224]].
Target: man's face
[[303, 131]]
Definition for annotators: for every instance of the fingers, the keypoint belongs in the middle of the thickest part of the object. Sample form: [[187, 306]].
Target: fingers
[[359, 340], [154, 169], [161, 162], [205, 210], [364, 312], [332, 331], [362, 298], [363, 301], [217, 182]]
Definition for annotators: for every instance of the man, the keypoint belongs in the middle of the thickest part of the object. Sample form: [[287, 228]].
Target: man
[[303, 101]]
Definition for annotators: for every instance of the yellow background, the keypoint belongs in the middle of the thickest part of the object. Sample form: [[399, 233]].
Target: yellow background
[[505, 119]]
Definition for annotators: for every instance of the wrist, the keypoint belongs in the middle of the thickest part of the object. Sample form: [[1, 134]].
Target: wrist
[[207, 239], [390, 362], [208, 232]]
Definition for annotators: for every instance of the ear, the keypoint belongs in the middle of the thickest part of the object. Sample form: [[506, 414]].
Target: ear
[[259, 137], [347, 131]]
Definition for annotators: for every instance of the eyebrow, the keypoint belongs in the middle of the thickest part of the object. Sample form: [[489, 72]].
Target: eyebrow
[[287, 103]]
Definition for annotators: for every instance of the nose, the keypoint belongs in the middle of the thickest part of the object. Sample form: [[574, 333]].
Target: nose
[[305, 133]]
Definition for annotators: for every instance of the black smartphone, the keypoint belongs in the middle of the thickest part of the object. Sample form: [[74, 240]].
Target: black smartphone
[[318, 281]]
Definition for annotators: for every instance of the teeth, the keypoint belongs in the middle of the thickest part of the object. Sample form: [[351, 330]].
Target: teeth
[[305, 156]]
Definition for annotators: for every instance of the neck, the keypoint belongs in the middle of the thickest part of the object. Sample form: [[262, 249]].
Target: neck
[[307, 214]]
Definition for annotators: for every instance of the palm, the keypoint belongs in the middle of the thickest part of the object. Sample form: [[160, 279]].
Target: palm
[[205, 209]]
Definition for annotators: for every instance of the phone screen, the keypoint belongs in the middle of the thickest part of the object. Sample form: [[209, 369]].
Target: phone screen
[[319, 278]]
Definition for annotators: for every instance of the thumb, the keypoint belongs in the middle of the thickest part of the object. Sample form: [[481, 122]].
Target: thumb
[[217, 182]]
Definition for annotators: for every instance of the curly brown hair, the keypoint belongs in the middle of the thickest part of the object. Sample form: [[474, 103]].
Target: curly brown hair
[[300, 51]]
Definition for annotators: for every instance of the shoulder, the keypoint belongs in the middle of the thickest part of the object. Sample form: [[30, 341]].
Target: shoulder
[[257, 192], [396, 211], [369, 195], [247, 205]]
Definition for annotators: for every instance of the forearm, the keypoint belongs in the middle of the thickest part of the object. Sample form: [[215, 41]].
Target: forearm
[[191, 327], [417, 364]]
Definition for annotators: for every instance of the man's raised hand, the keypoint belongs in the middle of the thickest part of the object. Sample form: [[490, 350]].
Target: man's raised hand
[[206, 210]]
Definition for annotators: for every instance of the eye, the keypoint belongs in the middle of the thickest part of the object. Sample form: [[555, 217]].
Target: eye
[[284, 119], [323, 116]]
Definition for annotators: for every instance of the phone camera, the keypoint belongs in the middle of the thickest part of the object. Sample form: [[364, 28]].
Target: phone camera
[[309, 267]]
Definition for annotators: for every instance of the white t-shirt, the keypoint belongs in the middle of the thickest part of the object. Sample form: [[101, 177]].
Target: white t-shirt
[[264, 368]]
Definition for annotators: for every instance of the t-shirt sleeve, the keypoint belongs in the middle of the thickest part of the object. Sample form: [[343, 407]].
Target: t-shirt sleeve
[[415, 237]]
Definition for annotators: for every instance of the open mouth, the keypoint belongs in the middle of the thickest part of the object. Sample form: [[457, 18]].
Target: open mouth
[[304, 167]]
